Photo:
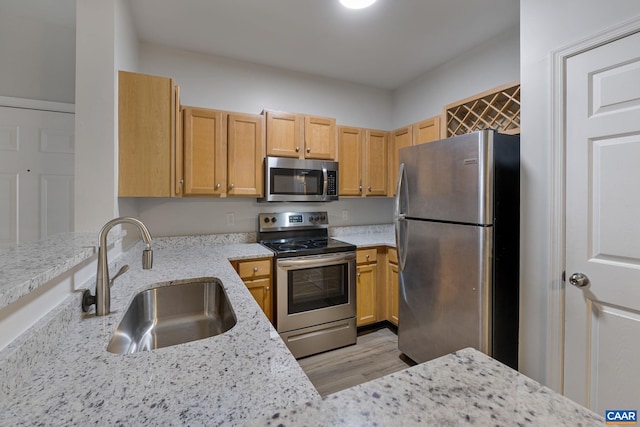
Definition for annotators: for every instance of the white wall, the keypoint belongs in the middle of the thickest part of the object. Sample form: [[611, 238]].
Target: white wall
[[490, 64], [38, 58], [215, 82], [545, 26], [95, 161]]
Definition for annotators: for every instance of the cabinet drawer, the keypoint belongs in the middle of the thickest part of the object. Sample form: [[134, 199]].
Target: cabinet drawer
[[393, 256], [254, 268], [365, 256]]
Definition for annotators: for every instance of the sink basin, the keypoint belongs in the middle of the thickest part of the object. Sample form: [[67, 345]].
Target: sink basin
[[174, 314]]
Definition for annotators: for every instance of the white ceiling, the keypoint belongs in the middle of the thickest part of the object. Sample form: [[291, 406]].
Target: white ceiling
[[385, 46]]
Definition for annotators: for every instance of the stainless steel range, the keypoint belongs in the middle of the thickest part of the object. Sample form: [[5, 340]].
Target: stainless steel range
[[315, 282]]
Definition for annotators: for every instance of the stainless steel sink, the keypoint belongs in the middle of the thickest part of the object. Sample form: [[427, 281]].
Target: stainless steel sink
[[174, 314]]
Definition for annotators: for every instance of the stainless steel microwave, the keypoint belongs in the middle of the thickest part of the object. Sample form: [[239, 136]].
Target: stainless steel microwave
[[296, 180]]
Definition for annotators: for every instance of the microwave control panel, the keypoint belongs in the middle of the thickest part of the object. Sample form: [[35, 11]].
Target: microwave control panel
[[332, 183]]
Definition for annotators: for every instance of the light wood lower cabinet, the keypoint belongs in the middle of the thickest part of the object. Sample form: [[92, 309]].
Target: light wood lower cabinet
[[256, 275], [366, 286], [392, 286]]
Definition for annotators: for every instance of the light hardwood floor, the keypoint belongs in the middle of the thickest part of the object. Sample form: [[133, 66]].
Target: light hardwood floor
[[376, 354]]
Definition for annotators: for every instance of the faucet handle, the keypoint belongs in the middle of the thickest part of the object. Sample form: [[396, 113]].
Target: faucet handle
[[87, 300], [147, 259]]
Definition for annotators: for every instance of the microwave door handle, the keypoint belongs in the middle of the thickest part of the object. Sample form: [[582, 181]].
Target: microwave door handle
[[325, 177]]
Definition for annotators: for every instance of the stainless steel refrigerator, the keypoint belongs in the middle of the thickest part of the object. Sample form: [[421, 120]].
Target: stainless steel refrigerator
[[457, 216]]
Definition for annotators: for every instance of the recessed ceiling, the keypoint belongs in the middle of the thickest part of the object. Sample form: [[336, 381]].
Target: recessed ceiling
[[385, 45]]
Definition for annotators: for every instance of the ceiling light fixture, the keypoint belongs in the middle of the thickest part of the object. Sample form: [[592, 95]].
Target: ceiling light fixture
[[357, 4]]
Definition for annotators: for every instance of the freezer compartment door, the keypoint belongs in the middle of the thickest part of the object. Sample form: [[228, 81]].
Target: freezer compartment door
[[450, 180], [445, 301]]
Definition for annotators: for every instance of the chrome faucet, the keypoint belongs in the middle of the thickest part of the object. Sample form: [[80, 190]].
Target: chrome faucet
[[102, 298]]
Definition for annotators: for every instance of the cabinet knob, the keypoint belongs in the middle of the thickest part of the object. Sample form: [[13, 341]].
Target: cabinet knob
[[297, 149], [182, 181], [369, 188], [217, 186], [360, 188], [266, 289], [358, 274], [231, 186], [367, 256], [255, 269], [308, 149]]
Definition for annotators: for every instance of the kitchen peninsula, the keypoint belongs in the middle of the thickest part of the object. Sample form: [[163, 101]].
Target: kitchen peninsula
[[59, 372]]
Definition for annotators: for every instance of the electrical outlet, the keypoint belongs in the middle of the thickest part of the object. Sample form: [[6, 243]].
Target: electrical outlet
[[231, 219], [345, 215]]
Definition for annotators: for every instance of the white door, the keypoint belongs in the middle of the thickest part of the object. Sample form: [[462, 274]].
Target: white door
[[602, 318], [36, 174]]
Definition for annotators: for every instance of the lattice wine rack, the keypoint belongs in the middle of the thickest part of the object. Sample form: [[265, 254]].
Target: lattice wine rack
[[497, 108]]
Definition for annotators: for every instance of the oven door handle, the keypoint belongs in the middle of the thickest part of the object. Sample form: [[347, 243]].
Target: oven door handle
[[315, 260]]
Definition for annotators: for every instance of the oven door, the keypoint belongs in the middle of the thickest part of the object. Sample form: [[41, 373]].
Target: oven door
[[315, 289]]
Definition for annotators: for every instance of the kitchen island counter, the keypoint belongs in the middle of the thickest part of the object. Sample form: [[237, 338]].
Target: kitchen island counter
[[245, 376]]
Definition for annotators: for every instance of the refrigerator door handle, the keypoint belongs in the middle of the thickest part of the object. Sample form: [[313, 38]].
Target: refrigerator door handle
[[400, 204]]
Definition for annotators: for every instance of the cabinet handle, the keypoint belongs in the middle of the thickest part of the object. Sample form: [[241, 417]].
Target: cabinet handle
[[308, 149], [217, 186], [297, 149], [255, 269], [231, 186]]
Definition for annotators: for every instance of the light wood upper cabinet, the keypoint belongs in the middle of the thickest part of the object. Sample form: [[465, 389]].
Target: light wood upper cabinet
[[205, 152], [147, 136], [245, 154], [299, 136], [375, 154], [319, 138], [362, 157], [402, 137], [285, 134], [350, 161], [427, 130]]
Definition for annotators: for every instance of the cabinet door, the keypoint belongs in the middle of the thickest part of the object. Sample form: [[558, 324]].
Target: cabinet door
[[320, 138], [261, 291], [402, 137], [366, 294], [245, 154], [375, 163], [426, 130], [284, 134], [350, 161], [205, 152], [392, 281], [146, 135]]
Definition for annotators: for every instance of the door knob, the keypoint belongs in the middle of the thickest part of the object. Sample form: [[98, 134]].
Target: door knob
[[579, 280]]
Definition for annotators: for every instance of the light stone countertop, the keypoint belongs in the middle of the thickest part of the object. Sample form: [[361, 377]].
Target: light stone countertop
[[24, 268], [366, 236], [462, 388], [61, 374]]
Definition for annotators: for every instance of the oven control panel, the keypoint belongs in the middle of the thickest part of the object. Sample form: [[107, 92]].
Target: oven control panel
[[292, 220]]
